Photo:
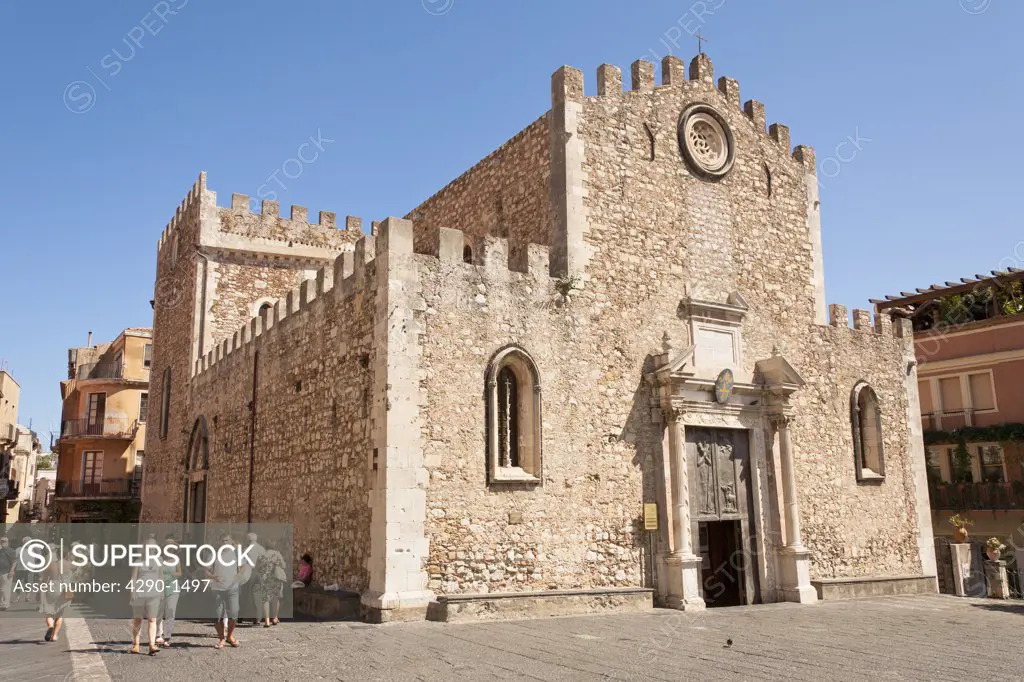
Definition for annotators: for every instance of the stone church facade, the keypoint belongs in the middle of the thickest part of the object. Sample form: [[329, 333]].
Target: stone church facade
[[622, 306]]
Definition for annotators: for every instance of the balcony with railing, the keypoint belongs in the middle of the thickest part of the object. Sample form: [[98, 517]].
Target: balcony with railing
[[108, 427], [970, 496], [106, 488], [947, 421], [100, 370]]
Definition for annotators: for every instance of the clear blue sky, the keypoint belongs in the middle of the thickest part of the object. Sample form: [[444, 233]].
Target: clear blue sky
[[413, 92]]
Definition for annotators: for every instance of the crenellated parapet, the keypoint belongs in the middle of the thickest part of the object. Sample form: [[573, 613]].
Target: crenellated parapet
[[296, 228], [351, 274], [884, 324], [268, 224], [567, 83], [491, 254], [191, 199]]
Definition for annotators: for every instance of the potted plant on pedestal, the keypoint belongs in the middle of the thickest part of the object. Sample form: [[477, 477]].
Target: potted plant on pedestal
[[994, 549], [960, 524]]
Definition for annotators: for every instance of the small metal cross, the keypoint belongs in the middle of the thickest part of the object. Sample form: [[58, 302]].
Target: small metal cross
[[700, 42]]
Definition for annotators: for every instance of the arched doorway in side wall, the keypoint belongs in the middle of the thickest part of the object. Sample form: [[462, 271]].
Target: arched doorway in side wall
[[197, 467]]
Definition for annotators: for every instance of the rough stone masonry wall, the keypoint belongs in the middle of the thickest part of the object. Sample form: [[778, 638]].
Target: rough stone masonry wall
[[174, 297], [580, 529], [505, 195], [313, 432], [855, 529], [658, 233]]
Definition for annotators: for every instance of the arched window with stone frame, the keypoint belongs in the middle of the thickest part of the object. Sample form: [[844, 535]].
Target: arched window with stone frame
[[263, 308], [197, 465], [866, 421], [514, 435]]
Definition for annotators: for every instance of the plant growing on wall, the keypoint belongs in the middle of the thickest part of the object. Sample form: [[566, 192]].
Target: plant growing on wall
[[567, 283]]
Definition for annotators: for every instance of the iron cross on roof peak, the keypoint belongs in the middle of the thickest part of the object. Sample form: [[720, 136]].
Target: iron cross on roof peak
[[700, 42]]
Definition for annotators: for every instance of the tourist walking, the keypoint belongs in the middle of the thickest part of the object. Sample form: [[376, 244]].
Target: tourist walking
[[147, 590], [169, 601], [225, 581], [24, 576], [55, 595], [268, 584], [249, 597], [8, 560]]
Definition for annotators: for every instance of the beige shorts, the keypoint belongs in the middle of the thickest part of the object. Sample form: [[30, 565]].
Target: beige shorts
[[146, 607]]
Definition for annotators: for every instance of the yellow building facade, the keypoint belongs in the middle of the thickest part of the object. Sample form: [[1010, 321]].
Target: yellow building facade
[[103, 430]]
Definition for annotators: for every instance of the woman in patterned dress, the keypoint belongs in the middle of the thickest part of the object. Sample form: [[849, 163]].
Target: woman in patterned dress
[[271, 577]]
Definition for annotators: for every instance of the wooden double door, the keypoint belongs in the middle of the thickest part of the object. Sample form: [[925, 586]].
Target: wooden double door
[[722, 513]]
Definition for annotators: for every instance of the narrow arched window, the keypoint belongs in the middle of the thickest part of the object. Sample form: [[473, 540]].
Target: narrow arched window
[[866, 420], [508, 418], [514, 417], [165, 403], [467, 254]]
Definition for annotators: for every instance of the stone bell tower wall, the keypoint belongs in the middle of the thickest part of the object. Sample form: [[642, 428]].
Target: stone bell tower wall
[[249, 259], [305, 375]]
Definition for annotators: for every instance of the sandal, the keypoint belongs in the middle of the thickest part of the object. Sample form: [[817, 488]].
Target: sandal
[[135, 648], [219, 645], [233, 642], [153, 650], [267, 624], [275, 621], [49, 635]]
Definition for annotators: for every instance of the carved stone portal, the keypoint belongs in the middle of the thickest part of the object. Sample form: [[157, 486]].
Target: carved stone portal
[[705, 469]]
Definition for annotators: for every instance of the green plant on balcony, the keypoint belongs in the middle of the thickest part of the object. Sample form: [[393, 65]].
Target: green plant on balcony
[[932, 467], [961, 463], [1010, 298]]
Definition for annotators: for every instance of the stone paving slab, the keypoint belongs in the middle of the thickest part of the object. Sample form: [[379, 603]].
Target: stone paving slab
[[24, 655], [899, 638]]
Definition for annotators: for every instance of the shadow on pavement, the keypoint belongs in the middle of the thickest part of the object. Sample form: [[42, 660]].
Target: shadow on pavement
[[1003, 607]]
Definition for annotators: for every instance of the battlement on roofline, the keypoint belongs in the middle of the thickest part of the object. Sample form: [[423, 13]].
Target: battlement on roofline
[[270, 212], [351, 271], [885, 324], [567, 85]]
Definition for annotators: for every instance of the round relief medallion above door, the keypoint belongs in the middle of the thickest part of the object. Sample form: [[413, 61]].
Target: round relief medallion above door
[[706, 141]]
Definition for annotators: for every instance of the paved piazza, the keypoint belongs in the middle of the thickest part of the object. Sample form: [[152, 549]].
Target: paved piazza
[[925, 637]]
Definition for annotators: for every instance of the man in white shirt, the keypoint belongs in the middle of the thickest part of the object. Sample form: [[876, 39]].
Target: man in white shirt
[[226, 577]]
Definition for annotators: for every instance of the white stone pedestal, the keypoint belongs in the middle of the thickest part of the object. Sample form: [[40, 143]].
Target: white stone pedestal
[[995, 577], [795, 575], [960, 553], [683, 583]]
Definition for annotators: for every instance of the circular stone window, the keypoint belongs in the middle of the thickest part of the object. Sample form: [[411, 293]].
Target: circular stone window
[[706, 141]]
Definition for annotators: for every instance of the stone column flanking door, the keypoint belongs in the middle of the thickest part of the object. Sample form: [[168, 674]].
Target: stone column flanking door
[[794, 558], [682, 566]]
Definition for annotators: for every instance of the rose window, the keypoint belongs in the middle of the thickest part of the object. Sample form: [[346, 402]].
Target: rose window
[[706, 142]]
